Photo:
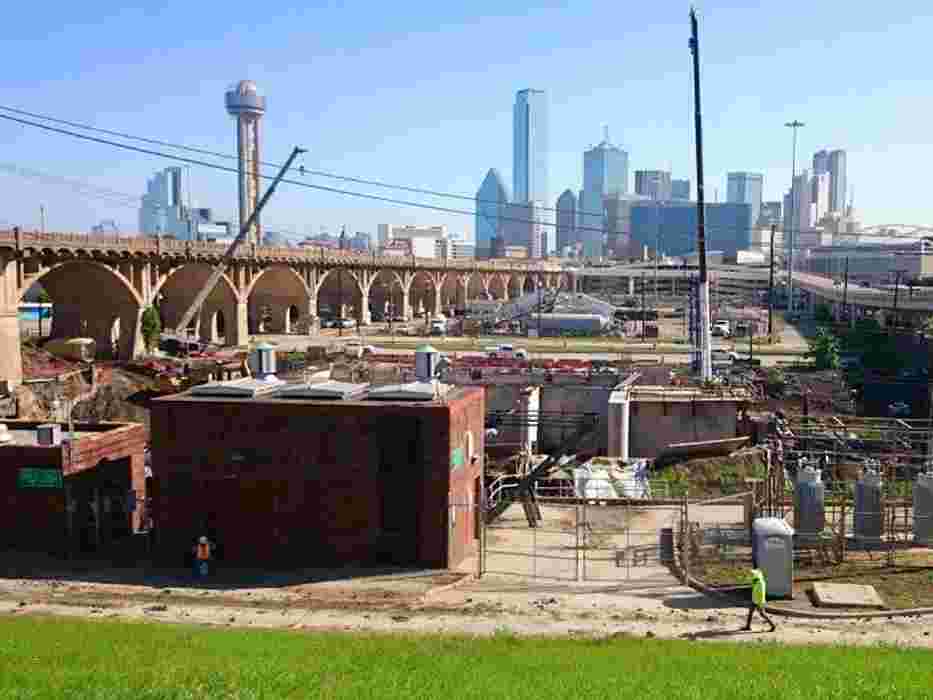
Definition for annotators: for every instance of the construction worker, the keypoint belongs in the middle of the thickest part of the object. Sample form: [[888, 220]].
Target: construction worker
[[759, 593], [202, 557]]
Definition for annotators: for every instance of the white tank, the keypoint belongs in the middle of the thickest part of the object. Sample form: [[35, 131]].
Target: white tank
[[923, 509]]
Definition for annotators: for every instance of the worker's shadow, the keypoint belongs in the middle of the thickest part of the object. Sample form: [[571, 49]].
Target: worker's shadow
[[716, 634]]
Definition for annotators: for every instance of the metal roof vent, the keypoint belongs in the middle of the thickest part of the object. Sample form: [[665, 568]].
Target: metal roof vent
[[426, 363], [262, 362], [246, 388], [323, 391]]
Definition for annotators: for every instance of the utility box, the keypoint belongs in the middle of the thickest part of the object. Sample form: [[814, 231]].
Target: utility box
[[773, 553]]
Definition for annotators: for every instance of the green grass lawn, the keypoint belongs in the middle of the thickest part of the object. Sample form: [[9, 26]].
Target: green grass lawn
[[56, 658]]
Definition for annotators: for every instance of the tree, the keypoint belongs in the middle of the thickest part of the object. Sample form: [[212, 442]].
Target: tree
[[151, 327], [824, 349], [823, 314]]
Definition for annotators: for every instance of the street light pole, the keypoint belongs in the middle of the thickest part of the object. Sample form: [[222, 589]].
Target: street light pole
[[771, 291], [792, 242]]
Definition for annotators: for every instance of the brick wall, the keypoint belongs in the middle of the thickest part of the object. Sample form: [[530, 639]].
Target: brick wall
[[306, 482], [35, 519]]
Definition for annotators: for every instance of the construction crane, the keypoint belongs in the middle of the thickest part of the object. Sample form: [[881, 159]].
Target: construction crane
[[221, 267]]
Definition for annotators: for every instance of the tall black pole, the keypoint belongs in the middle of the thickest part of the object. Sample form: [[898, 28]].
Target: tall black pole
[[706, 368], [643, 312], [897, 284], [845, 292], [771, 289]]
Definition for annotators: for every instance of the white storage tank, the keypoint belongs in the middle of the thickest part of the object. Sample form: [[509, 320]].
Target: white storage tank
[[426, 359], [809, 502], [923, 509], [869, 509], [773, 553]]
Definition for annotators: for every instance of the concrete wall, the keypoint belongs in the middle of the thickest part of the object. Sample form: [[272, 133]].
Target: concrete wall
[[654, 425]]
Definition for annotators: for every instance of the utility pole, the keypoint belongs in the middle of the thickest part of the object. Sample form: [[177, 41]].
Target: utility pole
[[792, 242], [657, 250], [771, 290], [706, 349], [644, 315], [845, 292], [897, 284]]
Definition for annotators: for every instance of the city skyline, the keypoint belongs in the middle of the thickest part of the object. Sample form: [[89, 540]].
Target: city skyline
[[467, 120]]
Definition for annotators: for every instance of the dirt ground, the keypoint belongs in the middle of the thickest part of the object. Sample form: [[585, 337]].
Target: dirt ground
[[433, 603], [561, 592]]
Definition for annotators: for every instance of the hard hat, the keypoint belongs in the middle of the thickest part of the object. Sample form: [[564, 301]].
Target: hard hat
[[203, 540]]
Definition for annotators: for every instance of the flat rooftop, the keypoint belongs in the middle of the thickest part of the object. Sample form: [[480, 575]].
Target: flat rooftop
[[26, 433], [250, 390], [668, 394]]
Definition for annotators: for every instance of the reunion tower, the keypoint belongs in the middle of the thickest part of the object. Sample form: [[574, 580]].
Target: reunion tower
[[247, 106]]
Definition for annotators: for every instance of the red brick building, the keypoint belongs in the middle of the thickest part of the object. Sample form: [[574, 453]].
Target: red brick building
[[319, 474], [76, 495]]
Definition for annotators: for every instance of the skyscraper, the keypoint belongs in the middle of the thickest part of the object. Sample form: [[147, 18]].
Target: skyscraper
[[837, 181], [680, 189], [821, 162], [530, 147], [605, 173], [653, 184], [798, 212], [566, 220], [162, 211], [491, 200], [745, 188], [819, 195]]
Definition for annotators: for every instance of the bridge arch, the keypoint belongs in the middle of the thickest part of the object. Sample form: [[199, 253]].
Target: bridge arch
[[222, 318], [93, 300], [423, 294], [339, 295], [386, 295], [498, 289], [475, 287], [273, 296]]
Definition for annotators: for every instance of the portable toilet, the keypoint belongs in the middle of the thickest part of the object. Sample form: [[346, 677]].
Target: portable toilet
[[923, 509], [869, 507], [809, 502], [773, 553], [426, 361]]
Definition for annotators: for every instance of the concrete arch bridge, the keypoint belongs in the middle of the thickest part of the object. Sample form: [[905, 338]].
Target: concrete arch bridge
[[100, 286]]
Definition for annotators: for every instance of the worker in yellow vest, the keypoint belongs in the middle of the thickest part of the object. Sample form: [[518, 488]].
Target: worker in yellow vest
[[759, 595], [202, 556]]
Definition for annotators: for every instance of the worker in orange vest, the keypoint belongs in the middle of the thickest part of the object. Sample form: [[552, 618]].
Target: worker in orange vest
[[202, 556]]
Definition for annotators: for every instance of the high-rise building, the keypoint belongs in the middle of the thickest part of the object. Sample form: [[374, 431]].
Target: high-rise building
[[566, 220], [605, 173], [672, 227], [491, 199], [745, 188], [653, 184], [618, 223], [821, 162], [798, 213], [522, 226], [819, 195], [421, 241], [530, 147], [770, 214], [837, 181], [680, 189], [162, 211]]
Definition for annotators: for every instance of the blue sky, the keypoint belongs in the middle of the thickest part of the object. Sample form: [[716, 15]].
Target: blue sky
[[421, 94]]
